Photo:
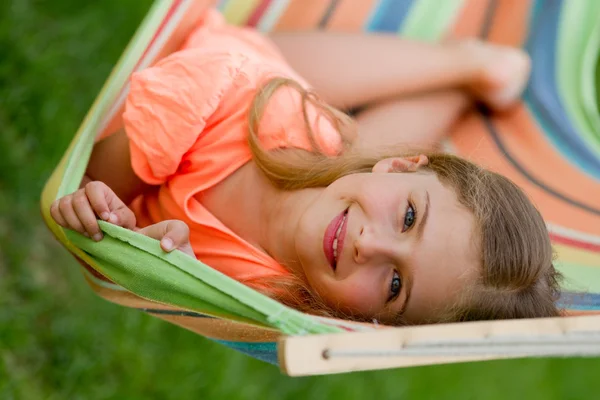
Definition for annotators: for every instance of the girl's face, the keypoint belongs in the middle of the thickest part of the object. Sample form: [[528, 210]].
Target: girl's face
[[387, 244]]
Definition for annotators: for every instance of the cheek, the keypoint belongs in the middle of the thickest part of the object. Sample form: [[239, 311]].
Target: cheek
[[356, 294], [308, 235]]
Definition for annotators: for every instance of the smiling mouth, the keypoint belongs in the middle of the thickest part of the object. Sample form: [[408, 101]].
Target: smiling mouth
[[333, 242]]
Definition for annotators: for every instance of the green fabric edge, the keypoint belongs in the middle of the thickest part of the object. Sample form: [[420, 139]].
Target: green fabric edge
[[137, 263], [429, 19], [577, 23]]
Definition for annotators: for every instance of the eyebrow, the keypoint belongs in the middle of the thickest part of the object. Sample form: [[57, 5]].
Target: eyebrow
[[423, 221]]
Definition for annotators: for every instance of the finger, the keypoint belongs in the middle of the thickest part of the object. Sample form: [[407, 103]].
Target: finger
[[124, 217], [177, 234], [96, 193], [108, 206], [172, 234], [85, 214], [65, 206], [56, 215]]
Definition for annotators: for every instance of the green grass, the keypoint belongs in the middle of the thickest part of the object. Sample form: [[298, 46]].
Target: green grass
[[59, 341]]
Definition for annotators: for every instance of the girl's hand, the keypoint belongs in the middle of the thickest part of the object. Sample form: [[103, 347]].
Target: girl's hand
[[79, 211], [173, 234]]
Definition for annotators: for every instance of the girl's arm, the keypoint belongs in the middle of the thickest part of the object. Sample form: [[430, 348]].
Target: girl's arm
[[105, 191], [353, 70], [110, 163]]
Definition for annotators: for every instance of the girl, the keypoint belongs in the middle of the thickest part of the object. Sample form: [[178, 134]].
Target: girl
[[228, 155]]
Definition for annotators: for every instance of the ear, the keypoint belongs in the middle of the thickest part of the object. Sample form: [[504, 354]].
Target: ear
[[401, 164]]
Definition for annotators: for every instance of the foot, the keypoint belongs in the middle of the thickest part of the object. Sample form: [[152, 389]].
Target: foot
[[502, 75]]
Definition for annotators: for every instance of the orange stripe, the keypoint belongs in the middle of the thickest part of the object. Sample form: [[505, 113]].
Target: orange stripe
[[471, 140], [523, 139], [470, 19], [350, 15], [302, 15], [576, 313], [511, 22], [209, 327]]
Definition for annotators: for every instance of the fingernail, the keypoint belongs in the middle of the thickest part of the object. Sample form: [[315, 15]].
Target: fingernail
[[97, 237], [86, 234], [113, 219], [167, 244], [105, 216]]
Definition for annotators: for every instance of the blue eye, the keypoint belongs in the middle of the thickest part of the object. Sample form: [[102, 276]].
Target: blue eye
[[395, 286], [409, 218]]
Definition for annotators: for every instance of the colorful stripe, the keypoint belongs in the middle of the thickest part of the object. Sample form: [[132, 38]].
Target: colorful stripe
[[543, 97], [258, 13], [388, 15], [351, 15], [272, 15], [239, 11]]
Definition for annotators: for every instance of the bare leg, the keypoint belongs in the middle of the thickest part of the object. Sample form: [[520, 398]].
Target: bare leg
[[354, 70], [420, 121]]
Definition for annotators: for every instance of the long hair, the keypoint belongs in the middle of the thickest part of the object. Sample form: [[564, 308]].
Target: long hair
[[517, 279]]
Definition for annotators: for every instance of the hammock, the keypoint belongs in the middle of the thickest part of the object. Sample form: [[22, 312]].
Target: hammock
[[549, 145]]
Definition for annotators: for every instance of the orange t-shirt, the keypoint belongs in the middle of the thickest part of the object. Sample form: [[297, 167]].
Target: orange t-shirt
[[187, 122]]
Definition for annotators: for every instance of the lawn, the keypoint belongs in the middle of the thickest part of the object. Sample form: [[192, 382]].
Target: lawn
[[59, 341]]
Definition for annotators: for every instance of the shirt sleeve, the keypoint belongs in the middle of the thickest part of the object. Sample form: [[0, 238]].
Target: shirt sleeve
[[169, 104]]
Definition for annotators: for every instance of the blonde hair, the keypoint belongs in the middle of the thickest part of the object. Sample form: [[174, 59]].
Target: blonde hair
[[517, 280]]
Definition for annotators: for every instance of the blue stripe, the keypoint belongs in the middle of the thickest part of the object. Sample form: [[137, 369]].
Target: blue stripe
[[389, 15], [517, 165], [580, 301], [536, 9], [542, 92], [264, 351]]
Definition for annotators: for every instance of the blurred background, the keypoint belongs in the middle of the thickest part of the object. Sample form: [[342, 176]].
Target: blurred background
[[59, 341]]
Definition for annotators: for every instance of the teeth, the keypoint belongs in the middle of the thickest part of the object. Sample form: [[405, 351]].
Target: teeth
[[337, 234], [339, 229]]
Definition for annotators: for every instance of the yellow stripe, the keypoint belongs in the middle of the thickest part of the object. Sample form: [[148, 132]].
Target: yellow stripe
[[237, 12], [577, 256]]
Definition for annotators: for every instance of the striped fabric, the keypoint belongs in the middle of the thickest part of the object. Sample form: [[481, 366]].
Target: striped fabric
[[549, 145]]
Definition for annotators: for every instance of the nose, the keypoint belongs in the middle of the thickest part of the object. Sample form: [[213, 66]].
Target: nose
[[375, 246]]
